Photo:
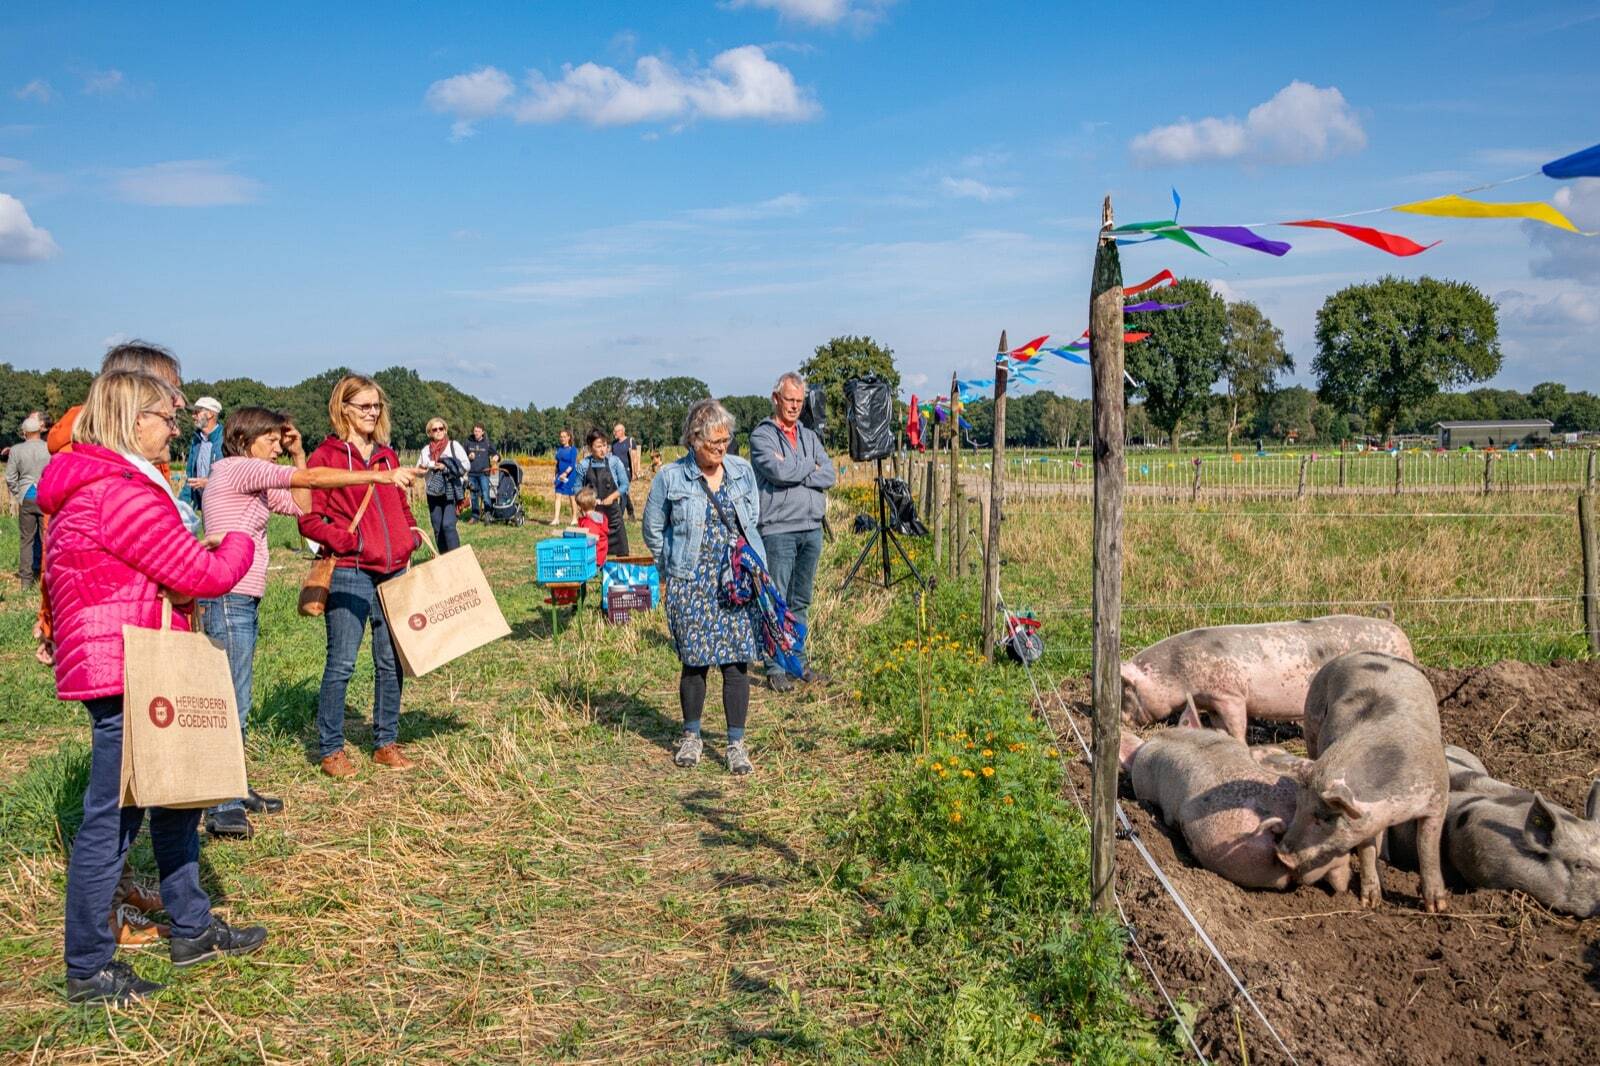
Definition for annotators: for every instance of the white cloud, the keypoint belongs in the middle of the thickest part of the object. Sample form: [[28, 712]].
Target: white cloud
[[470, 97], [104, 82], [858, 13], [9, 165], [741, 83], [20, 240], [1561, 312], [973, 189], [186, 183], [573, 287], [37, 90], [787, 205], [1301, 124], [1566, 255]]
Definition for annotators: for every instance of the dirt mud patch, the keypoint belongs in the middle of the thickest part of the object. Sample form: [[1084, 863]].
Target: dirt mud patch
[[1498, 979]]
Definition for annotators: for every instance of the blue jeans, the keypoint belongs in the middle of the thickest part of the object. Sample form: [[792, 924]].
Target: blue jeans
[[480, 494], [352, 603], [101, 848], [234, 622], [442, 514], [792, 561]]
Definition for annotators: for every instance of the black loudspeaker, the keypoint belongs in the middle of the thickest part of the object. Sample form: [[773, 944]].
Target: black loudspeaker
[[901, 511], [814, 415], [868, 409]]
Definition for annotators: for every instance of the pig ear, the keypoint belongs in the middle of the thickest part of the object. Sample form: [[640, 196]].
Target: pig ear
[[1339, 796], [1273, 825], [1190, 719], [1288, 765], [1591, 809], [1130, 743], [1539, 831]]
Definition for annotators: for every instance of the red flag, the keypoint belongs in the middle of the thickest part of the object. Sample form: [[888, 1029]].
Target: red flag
[[1133, 338], [1027, 351], [914, 425], [1392, 243], [1150, 283]]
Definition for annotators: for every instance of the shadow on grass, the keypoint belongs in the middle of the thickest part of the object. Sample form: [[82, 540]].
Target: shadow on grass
[[626, 710], [290, 710], [729, 833], [789, 1039]]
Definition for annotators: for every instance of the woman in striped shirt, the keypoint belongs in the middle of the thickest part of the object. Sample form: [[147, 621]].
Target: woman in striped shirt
[[245, 488]]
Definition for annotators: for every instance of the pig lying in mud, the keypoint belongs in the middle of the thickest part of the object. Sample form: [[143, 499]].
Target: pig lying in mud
[[1230, 809], [1499, 836], [1372, 729], [1243, 672]]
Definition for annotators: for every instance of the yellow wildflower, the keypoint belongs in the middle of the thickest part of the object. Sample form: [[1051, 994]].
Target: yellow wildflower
[[987, 753], [955, 816], [1053, 753], [988, 771], [1007, 800], [968, 773]]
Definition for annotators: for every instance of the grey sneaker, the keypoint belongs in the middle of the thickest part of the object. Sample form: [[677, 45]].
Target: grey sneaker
[[778, 681], [739, 758], [689, 748]]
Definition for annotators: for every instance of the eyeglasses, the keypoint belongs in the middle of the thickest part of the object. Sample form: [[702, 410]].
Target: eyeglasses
[[170, 420], [366, 408], [435, 429], [718, 444]]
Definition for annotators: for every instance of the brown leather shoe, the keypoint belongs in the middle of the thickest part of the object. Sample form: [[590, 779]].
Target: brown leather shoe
[[142, 899], [338, 765], [134, 930], [391, 756]]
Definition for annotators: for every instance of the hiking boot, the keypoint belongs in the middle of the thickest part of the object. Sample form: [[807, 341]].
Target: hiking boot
[[689, 749], [391, 756], [739, 758], [117, 983], [140, 898], [219, 940], [133, 930], [230, 823], [811, 677], [778, 681], [256, 803], [338, 765]]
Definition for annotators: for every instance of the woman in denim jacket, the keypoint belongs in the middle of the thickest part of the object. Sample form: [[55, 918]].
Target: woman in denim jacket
[[699, 506]]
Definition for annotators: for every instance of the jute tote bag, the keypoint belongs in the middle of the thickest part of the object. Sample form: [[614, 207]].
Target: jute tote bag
[[440, 610], [181, 745]]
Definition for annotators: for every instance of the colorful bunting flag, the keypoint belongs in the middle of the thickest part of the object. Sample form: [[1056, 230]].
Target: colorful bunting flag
[[1392, 243], [1584, 164], [1453, 206], [1242, 236], [1069, 354], [1152, 305], [1163, 278], [1027, 351], [914, 424], [1166, 228]]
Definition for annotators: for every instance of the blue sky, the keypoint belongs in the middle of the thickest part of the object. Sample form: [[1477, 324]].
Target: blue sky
[[520, 197]]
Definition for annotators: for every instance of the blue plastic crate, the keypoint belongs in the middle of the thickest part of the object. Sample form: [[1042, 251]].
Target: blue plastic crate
[[564, 559]]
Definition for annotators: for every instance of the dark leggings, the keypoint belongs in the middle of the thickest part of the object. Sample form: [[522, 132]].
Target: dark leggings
[[735, 692]]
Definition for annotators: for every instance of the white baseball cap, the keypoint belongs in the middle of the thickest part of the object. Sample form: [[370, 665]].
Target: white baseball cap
[[208, 403]]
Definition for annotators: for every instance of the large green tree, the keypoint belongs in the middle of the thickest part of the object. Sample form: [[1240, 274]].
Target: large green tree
[[1181, 359], [1252, 358], [839, 360], [662, 405], [600, 404], [1389, 346]]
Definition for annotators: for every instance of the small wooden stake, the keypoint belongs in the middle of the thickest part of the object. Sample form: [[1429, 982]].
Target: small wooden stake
[[953, 497], [997, 496], [1591, 572], [1488, 473], [1399, 469], [1106, 366], [1300, 492]]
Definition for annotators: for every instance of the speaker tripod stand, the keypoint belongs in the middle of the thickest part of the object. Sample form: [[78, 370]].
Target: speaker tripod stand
[[884, 537]]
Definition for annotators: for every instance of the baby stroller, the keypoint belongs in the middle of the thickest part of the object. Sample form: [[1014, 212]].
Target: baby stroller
[[507, 503]]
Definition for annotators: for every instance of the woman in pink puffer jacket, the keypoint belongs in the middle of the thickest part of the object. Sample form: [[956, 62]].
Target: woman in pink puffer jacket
[[116, 545]]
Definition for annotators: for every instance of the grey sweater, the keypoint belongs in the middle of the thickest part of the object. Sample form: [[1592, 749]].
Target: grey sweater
[[26, 464], [792, 480]]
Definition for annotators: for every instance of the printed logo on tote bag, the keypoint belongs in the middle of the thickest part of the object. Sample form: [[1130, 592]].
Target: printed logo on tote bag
[[161, 712], [418, 621]]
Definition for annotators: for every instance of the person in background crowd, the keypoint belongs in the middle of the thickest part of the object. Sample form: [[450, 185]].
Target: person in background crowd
[[794, 474], [24, 466], [119, 545], [655, 462], [698, 507], [593, 521], [566, 474], [377, 550], [622, 448], [604, 473], [481, 455], [446, 463], [247, 486], [204, 449]]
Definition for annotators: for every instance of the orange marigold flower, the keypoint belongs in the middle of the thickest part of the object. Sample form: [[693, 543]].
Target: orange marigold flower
[[988, 771], [955, 816], [987, 753], [1007, 800], [968, 773]]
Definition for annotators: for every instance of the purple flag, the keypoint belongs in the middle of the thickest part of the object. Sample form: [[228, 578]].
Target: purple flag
[[1152, 305], [1241, 236]]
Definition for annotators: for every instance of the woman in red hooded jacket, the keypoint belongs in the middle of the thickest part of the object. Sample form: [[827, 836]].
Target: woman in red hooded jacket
[[371, 533], [117, 546]]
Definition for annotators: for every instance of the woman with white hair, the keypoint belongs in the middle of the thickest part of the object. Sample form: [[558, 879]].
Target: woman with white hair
[[699, 508]]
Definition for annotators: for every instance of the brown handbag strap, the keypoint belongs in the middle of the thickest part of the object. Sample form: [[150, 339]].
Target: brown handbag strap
[[356, 521]]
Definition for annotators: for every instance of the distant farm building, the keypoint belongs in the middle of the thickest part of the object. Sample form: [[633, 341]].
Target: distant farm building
[[1494, 434]]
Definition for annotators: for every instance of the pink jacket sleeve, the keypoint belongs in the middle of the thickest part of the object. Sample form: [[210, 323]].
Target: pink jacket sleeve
[[144, 531]]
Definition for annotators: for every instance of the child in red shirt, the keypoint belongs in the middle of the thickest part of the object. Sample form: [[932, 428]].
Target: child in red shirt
[[592, 521]]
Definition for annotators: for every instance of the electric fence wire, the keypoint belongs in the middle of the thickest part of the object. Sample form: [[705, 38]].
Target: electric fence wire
[[1155, 868]]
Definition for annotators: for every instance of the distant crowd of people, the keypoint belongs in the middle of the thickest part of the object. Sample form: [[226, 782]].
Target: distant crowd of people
[[112, 538]]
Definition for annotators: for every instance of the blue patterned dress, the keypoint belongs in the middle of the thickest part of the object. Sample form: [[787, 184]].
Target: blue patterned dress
[[705, 631]]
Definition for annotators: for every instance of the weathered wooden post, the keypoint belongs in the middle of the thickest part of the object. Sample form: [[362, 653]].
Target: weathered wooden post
[[1591, 572], [1488, 472], [1399, 469], [936, 494], [1588, 477], [1106, 361], [1300, 491], [953, 506], [1341, 467], [1194, 490], [997, 496]]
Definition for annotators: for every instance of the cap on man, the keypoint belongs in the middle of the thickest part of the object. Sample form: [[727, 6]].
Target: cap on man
[[205, 448]]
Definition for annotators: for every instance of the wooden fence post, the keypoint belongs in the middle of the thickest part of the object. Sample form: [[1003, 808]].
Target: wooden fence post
[[1591, 572], [1588, 476], [997, 496], [1300, 491], [1106, 362], [955, 495], [1399, 468], [1194, 490], [936, 494], [1341, 468], [1488, 473]]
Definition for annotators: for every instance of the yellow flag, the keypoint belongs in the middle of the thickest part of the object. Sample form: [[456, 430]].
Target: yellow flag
[[1460, 207]]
